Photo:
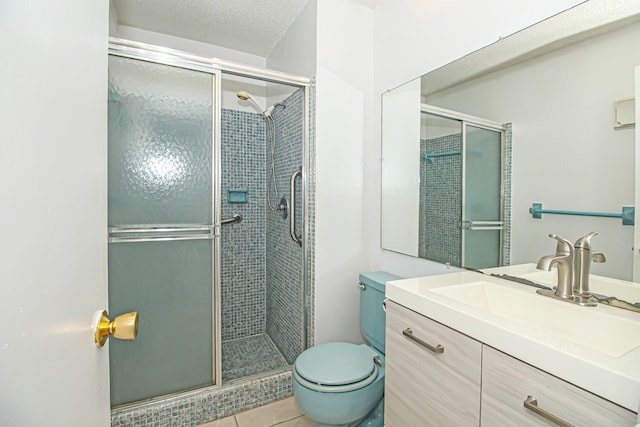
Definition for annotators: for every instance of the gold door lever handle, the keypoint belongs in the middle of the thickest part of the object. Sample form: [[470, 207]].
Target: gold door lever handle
[[124, 327]]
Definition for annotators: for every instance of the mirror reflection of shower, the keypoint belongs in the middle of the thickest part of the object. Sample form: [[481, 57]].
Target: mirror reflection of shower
[[274, 205]]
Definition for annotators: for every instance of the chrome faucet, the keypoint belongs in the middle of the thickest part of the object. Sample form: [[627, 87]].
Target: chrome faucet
[[564, 259], [582, 264]]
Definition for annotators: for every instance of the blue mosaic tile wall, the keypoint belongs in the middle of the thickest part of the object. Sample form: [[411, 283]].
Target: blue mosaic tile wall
[[285, 313], [440, 196], [506, 177], [243, 244], [311, 218]]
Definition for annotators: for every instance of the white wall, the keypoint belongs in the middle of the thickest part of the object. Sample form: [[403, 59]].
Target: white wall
[[412, 38], [199, 48], [343, 127], [296, 52], [566, 152]]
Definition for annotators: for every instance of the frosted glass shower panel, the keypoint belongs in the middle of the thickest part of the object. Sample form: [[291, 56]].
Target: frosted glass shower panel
[[160, 190], [169, 284], [160, 151], [482, 202]]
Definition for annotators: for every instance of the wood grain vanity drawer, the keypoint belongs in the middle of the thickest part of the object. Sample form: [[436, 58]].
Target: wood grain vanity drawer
[[427, 388], [507, 382]]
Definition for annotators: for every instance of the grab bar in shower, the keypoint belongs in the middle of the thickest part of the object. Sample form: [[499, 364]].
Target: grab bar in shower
[[292, 209], [627, 215], [235, 218], [159, 233]]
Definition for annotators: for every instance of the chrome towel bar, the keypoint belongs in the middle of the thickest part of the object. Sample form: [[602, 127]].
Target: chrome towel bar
[[160, 238], [159, 233], [482, 225], [158, 229], [164, 233]]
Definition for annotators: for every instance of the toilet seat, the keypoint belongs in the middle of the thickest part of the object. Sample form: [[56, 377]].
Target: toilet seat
[[336, 367]]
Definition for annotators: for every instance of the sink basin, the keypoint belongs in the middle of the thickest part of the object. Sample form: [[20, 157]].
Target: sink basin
[[585, 326]]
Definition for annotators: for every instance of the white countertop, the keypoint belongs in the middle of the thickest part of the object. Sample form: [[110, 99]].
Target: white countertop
[[614, 378], [628, 291]]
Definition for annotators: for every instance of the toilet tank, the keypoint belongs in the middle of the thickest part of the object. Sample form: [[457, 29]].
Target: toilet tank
[[372, 315]]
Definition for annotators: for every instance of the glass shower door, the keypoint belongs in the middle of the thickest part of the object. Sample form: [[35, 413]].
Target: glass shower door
[[161, 252], [482, 223]]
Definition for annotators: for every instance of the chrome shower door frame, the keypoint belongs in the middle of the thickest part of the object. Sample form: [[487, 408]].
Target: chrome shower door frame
[[142, 52], [216, 67], [467, 225], [477, 122]]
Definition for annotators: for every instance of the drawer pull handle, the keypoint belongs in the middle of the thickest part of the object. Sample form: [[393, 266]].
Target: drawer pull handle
[[531, 403], [409, 334]]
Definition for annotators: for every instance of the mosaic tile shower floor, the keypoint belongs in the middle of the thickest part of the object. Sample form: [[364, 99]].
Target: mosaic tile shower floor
[[249, 356]]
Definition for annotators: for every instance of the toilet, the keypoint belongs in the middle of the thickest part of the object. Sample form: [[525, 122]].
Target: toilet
[[342, 384]]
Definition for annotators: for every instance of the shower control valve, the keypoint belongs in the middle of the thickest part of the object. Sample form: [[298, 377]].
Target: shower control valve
[[283, 207]]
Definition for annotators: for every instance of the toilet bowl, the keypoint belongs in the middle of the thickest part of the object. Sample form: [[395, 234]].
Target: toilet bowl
[[342, 384]]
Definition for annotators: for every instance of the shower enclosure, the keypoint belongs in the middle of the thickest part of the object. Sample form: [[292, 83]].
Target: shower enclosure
[[261, 264], [463, 160], [218, 282]]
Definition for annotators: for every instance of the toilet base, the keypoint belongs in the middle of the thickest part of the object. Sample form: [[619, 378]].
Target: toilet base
[[375, 418]]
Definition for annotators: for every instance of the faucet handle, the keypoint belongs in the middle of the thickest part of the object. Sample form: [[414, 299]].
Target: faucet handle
[[585, 241], [564, 247], [598, 257]]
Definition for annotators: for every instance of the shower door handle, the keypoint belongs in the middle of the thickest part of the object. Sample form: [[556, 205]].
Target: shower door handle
[[292, 209], [482, 225], [124, 327]]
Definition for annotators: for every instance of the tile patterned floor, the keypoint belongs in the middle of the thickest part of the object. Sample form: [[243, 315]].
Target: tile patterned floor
[[283, 413], [248, 356]]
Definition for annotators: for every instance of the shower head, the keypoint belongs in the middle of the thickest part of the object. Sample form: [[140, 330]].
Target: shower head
[[243, 95], [246, 96]]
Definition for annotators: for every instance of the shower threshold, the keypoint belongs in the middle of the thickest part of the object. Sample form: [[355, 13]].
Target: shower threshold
[[248, 356]]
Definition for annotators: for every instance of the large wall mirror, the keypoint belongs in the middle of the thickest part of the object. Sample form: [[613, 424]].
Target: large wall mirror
[[543, 120]]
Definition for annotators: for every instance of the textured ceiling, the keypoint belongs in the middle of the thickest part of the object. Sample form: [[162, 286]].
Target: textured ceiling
[[253, 26]]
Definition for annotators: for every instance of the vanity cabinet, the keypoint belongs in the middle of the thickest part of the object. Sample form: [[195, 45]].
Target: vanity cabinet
[[507, 382], [429, 387], [436, 376]]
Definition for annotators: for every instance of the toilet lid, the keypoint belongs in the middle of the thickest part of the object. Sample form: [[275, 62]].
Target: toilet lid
[[336, 363]]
